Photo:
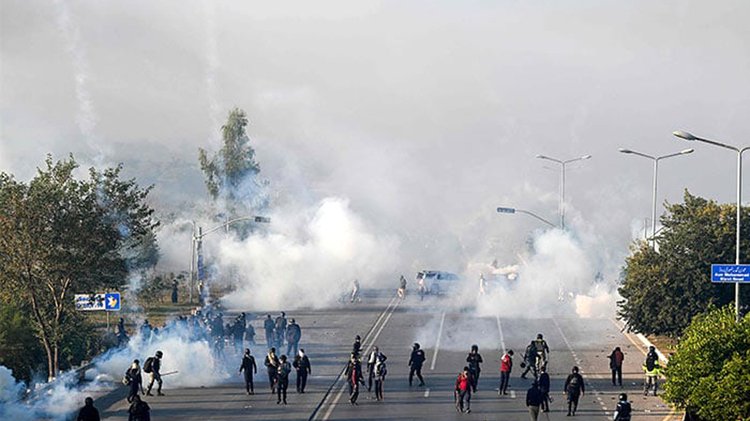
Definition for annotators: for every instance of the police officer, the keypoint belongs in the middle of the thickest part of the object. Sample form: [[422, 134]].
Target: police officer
[[542, 351], [293, 335], [268, 326], [280, 330], [415, 362], [155, 374], [282, 378], [249, 368], [623, 409], [474, 359], [529, 360]]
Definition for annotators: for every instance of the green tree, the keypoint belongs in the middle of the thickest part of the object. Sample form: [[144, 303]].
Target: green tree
[[709, 374], [19, 348], [63, 236], [664, 289], [230, 167]]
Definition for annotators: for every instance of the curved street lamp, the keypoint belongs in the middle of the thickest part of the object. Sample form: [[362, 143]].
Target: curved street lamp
[[691, 137], [533, 215]]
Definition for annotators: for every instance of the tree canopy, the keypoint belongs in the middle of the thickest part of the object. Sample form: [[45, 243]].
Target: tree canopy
[[664, 289], [234, 164], [63, 236], [709, 374]]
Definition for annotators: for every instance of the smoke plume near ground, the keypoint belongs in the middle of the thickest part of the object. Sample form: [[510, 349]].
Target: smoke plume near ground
[[307, 259]]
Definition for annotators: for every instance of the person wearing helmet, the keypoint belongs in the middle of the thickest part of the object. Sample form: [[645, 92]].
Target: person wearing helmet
[[474, 359], [623, 409], [542, 351], [415, 362], [574, 389], [155, 374]]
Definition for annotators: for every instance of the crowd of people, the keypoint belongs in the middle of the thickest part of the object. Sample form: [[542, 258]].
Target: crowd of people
[[281, 333]]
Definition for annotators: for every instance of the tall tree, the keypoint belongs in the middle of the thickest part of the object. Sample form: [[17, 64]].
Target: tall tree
[[63, 236], [234, 164], [664, 288]]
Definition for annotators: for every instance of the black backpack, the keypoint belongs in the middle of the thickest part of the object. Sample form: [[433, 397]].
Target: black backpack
[[574, 384], [148, 365], [651, 361]]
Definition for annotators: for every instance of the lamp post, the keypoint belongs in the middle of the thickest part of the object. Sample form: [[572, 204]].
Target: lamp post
[[514, 210], [196, 248], [656, 160], [690, 137], [563, 163]]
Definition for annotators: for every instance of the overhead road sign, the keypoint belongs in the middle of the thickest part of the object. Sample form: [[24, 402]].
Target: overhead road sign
[[730, 274]]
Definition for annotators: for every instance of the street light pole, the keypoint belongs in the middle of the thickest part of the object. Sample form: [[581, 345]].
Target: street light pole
[[533, 215], [197, 243], [656, 160], [562, 181], [690, 137]]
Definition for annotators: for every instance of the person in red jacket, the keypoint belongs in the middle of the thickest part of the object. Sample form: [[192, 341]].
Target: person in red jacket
[[615, 364], [463, 391], [506, 366]]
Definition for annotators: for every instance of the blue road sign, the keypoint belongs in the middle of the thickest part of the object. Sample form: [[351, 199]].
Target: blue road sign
[[112, 301], [730, 274]]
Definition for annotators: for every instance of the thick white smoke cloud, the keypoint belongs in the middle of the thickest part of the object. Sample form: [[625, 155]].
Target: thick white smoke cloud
[[192, 363], [562, 275], [307, 259]]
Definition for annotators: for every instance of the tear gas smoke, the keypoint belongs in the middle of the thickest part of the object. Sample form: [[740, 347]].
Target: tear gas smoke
[[307, 259], [193, 359], [562, 276]]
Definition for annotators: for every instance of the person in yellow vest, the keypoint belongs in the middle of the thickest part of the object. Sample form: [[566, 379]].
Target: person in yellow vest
[[652, 369]]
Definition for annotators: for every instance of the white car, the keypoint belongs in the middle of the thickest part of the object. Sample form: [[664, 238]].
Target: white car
[[437, 282]]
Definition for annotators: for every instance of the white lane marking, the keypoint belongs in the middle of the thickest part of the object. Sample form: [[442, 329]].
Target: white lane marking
[[500, 329], [427, 393], [437, 343], [579, 364], [512, 394], [374, 339]]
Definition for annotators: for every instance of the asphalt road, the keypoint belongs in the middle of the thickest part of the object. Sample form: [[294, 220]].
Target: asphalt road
[[446, 336]]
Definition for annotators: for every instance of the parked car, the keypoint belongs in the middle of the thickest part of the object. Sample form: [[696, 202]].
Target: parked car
[[437, 282]]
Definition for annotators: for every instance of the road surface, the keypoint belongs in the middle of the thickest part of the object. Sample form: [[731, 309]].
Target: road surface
[[446, 336]]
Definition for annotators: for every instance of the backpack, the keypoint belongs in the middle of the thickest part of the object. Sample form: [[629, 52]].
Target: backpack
[[574, 384], [650, 361], [148, 365]]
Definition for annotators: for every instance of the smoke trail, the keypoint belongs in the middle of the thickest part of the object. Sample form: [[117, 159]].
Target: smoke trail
[[86, 116], [212, 66]]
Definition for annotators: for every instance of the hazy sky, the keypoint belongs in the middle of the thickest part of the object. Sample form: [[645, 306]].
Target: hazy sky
[[426, 115]]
